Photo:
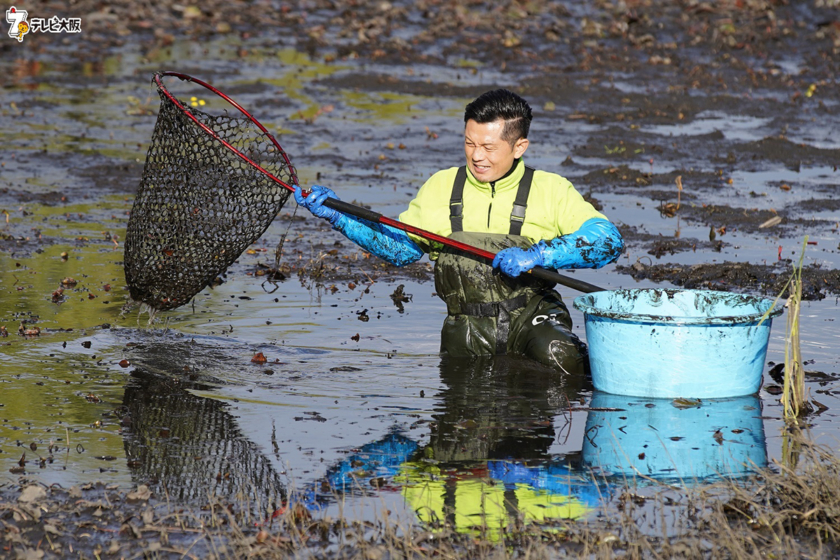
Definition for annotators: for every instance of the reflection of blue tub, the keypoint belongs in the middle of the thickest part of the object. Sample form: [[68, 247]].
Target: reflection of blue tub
[[652, 437], [676, 343]]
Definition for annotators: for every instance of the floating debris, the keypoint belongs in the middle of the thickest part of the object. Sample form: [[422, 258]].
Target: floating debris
[[34, 331], [399, 297], [686, 403], [259, 358], [774, 221]]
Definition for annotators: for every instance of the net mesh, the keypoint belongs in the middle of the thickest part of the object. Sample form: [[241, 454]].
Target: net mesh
[[199, 205]]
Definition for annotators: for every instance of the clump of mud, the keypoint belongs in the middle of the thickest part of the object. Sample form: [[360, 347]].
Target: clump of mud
[[770, 280]]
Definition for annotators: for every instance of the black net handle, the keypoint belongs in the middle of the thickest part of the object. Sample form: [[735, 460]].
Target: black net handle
[[539, 272], [344, 207]]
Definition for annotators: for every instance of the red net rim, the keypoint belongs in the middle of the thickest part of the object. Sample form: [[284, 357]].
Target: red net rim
[[157, 79]]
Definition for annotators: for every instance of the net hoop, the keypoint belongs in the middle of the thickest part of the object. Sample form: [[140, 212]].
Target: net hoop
[[211, 186], [157, 80]]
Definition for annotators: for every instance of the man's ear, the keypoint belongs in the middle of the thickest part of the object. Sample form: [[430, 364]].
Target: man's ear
[[520, 147]]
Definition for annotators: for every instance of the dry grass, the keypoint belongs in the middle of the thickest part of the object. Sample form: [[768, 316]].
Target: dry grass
[[793, 513], [790, 512]]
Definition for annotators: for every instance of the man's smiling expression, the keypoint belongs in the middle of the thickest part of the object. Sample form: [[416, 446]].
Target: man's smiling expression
[[489, 156]]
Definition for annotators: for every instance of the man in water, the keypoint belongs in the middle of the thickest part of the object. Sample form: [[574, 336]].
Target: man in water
[[529, 217]]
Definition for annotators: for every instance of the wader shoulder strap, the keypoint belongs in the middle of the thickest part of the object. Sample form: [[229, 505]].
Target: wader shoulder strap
[[517, 215], [456, 201]]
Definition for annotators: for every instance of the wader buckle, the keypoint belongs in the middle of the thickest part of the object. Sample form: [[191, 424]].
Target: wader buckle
[[501, 310], [494, 308]]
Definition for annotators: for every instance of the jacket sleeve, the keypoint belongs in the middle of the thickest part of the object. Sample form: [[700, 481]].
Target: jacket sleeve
[[386, 242]]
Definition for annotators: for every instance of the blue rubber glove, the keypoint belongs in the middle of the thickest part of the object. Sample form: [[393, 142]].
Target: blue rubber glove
[[387, 243], [597, 243], [384, 458], [315, 200], [554, 478], [515, 261]]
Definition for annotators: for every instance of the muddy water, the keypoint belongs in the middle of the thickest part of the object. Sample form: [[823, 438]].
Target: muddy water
[[353, 410]]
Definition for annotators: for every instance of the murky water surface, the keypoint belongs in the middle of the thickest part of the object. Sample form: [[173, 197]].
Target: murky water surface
[[346, 414]]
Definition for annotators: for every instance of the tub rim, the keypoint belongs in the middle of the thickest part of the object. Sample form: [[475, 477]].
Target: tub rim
[[589, 310]]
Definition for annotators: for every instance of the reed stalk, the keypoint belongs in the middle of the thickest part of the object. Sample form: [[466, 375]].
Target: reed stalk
[[679, 190], [792, 443], [793, 393]]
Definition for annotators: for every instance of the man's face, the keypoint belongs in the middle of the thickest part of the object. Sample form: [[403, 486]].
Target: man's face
[[489, 157]]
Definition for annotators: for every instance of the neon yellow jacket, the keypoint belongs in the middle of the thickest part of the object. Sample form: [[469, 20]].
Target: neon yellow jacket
[[554, 208]]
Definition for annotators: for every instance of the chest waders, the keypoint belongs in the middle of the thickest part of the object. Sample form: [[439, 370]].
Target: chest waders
[[490, 313]]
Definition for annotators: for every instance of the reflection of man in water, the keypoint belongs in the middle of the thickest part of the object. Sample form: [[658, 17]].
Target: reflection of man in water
[[498, 408], [487, 462], [495, 202]]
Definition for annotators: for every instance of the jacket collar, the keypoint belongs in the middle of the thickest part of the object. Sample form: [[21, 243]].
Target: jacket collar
[[509, 180]]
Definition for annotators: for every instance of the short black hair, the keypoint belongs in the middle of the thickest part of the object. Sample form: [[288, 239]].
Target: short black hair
[[501, 104]]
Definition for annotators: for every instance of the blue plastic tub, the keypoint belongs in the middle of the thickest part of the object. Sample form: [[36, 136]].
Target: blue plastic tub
[[676, 343]]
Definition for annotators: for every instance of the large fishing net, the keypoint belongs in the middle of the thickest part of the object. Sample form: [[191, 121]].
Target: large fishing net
[[200, 204]]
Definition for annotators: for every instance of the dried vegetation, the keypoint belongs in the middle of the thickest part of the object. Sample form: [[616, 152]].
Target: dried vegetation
[[790, 511]]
